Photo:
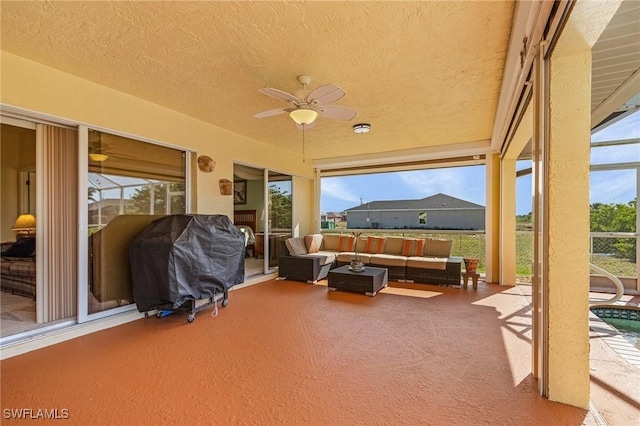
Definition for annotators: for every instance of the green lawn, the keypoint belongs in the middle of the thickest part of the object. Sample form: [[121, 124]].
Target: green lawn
[[473, 245]]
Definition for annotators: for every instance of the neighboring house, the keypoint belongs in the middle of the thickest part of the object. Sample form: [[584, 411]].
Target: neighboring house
[[102, 211], [328, 220], [333, 217], [439, 211]]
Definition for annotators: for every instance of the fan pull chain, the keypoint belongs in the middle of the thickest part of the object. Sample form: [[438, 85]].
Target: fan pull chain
[[303, 126]]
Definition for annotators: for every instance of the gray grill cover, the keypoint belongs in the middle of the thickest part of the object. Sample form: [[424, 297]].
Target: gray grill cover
[[179, 258]]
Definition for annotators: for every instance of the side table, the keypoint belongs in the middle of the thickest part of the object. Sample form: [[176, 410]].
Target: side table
[[474, 279]]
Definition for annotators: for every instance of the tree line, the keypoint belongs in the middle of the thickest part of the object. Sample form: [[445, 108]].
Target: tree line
[[612, 217]]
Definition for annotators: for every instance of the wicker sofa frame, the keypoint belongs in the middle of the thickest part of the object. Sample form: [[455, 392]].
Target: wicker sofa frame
[[303, 268], [448, 276]]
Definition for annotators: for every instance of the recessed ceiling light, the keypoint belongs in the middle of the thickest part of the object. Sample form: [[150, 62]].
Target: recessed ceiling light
[[361, 128]]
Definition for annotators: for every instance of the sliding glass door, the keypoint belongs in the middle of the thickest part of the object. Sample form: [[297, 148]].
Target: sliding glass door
[[280, 214], [127, 184], [263, 204]]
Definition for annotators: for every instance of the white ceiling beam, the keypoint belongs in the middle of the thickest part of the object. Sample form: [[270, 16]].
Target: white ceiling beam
[[622, 94], [408, 155]]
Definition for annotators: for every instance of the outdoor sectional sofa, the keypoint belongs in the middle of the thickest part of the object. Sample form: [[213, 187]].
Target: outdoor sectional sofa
[[419, 260]]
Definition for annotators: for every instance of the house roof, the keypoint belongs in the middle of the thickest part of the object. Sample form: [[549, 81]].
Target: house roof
[[435, 202], [333, 214]]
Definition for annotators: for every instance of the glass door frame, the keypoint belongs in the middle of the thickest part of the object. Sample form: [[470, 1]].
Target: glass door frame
[[267, 208], [83, 217]]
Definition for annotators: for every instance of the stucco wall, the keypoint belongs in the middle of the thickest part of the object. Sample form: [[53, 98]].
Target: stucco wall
[[443, 219], [36, 87], [568, 202], [302, 190], [568, 229]]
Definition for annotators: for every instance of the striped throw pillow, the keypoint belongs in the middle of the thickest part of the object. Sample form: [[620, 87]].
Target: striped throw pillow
[[346, 243], [296, 246], [313, 242], [374, 245], [412, 247]]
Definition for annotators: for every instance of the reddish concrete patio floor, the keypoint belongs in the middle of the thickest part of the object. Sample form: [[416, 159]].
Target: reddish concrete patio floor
[[291, 353]]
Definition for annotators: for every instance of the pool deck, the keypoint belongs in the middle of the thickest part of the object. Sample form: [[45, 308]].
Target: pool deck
[[615, 366], [615, 369]]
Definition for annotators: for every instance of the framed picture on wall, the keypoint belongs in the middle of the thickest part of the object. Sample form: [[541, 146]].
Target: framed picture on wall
[[240, 192]]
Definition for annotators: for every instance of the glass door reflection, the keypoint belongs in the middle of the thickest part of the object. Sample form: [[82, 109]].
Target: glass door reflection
[[279, 222]]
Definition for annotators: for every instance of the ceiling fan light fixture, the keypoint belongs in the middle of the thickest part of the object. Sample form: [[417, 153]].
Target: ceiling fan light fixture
[[98, 157], [303, 116], [361, 128]]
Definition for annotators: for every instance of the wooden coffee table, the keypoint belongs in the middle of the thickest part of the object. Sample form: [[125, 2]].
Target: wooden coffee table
[[369, 281]]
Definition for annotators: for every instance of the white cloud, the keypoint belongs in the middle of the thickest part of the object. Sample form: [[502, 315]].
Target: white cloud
[[459, 182], [615, 154], [612, 186], [627, 128], [338, 188]]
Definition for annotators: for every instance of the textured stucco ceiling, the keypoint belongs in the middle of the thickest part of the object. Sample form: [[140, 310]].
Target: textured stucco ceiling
[[422, 73]]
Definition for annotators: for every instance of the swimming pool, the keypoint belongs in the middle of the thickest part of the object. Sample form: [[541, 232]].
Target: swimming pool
[[626, 320]]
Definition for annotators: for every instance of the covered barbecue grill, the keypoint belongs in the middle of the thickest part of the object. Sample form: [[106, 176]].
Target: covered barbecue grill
[[180, 261]]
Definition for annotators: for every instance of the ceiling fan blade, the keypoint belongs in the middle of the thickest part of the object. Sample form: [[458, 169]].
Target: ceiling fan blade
[[337, 112], [272, 112], [280, 94], [326, 94]]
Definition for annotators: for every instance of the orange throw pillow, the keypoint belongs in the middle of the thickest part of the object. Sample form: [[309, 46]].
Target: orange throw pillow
[[375, 245], [412, 247], [346, 243]]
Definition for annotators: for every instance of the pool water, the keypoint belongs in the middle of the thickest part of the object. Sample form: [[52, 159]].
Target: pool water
[[629, 329]]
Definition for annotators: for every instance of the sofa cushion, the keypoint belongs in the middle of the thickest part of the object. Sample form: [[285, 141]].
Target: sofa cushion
[[313, 243], [296, 246], [387, 260], [435, 247], [423, 262], [361, 244], [374, 244], [412, 247], [330, 242], [346, 243], [346, 256], [393, 245]]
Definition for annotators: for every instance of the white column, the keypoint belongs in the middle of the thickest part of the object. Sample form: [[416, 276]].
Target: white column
[[508, 222], [567, 195], [492, 220], [568, 228]]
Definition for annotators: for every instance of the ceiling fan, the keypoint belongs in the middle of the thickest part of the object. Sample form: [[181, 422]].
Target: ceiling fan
[[98, 150], [305, 108]]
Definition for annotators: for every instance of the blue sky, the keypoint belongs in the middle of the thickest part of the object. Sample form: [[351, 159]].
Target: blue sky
[[468, 183]]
